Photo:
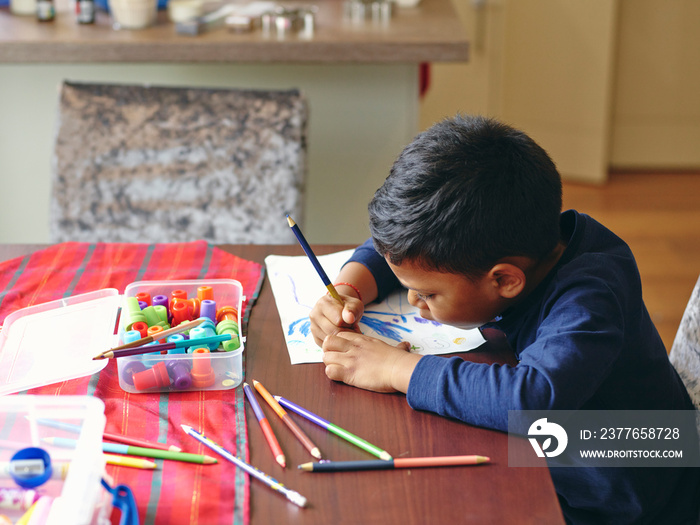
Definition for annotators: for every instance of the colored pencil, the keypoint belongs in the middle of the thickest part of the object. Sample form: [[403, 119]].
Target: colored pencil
[[163, 347], [335, 429], [116, 448], [299, 433], [119, 438], [378, 464], [265, 425], [312, 257], [128, 440], [182, 327], [128, 461], [271, 482]]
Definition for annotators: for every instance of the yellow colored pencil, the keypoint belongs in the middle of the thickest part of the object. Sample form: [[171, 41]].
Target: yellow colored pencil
[[128, 461]]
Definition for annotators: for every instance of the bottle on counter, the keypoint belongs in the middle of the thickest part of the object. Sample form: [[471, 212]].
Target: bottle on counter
[[45, 11], [23, 7], [85, 11]]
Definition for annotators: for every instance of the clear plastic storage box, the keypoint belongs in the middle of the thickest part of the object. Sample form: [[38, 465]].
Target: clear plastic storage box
[[73, 493], [211, 368], [56, 341]]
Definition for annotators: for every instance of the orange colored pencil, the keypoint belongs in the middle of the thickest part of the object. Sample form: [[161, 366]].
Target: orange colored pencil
[[282, 413], [379, 464]]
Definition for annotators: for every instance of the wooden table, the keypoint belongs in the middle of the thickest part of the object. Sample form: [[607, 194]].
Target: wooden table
[[493, 493]]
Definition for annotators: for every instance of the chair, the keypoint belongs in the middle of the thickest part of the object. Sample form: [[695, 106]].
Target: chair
[[168, 164], [685, 351]]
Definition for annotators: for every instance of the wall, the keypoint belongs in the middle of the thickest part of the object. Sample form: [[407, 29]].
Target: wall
[[361, 116], [473, 87], [656, 111], [544, 66], [619, 79]]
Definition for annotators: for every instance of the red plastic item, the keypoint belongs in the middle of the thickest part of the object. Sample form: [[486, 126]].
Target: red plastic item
[[141, 327], [181, 311], [152, 377], [177, 294], [194, 304], [145, 297]]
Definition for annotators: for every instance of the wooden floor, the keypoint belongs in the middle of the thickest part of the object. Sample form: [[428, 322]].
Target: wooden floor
[[658, 215]]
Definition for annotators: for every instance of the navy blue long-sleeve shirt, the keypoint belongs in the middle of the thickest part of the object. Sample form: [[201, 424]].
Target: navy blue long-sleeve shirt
[[584, 340]]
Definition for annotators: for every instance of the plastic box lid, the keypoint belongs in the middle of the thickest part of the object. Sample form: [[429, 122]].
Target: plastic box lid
[[56, 341]]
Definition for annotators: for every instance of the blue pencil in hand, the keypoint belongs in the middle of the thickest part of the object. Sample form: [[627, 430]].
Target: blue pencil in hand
[[312, 257]]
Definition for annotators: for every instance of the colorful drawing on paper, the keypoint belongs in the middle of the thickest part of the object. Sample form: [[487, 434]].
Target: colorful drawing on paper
[[296, 287]]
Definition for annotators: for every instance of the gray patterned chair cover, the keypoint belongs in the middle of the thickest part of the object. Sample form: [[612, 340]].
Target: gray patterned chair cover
[[165, 164], [685, 352]]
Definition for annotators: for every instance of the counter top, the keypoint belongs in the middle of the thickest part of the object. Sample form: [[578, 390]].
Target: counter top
[[429, 32]]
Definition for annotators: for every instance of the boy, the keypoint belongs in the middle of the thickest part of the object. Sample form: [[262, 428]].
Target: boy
[[469, 221]]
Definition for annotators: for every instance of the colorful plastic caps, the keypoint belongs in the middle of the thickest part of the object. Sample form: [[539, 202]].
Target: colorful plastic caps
[[131, 368], [227, 317], [228, 326], [133, 312], [157, 376], [179, 372], [202, 372], [206, 329]]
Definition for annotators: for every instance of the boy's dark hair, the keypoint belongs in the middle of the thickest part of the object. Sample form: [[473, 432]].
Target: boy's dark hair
[[463, 195]]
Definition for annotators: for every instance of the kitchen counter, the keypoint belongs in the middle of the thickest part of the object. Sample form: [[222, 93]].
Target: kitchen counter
[[429, 32]]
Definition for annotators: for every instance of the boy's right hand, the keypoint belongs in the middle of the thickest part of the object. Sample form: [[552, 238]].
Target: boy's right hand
[[328, 316]]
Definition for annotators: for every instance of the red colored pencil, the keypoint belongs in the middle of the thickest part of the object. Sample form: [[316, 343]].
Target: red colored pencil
[[265, 426], [119, 438], [136, 442]]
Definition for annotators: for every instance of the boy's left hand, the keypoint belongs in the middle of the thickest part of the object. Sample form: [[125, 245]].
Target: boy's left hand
[[366, 362]]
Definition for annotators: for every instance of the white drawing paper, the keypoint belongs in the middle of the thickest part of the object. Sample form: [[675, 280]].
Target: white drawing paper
[[296, 287]]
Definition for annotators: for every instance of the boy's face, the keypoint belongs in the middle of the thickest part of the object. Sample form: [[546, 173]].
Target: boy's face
[[450, 298]]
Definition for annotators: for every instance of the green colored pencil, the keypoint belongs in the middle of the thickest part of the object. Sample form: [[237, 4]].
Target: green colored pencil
[[335, 429], [118, 448]]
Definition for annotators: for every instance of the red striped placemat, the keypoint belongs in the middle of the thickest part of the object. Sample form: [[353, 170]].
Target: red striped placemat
[[177, 492]]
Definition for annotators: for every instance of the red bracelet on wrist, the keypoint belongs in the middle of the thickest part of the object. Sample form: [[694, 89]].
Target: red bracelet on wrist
[[359, 295]]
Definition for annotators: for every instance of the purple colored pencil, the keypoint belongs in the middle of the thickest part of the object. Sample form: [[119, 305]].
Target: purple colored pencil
[[335, 429], [163, 347]]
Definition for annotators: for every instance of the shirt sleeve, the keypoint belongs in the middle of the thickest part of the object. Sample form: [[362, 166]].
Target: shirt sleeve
[[575, 342], [386, 281]]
